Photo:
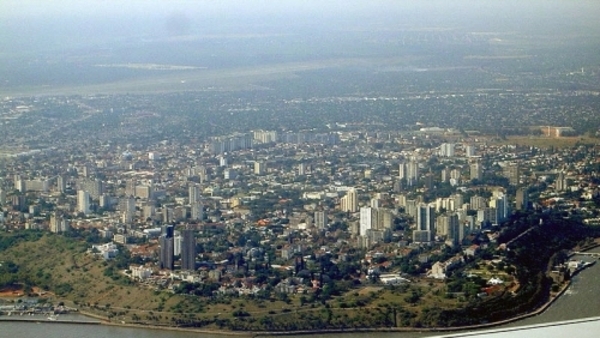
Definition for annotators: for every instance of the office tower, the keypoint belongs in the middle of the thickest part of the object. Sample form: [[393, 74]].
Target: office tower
[[512, 172], [522, 199], [260, 168], [223, 161], [320, 219], [366, 222], [458, 201], [349, 203], [193, 194], [167, 248], [83, 202], [188, 250], [476, 172], [2, 196]]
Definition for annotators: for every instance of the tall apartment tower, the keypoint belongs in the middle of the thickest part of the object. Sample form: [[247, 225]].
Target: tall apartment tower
[[522, 199], [349, 203], [193, 194], [366, 222], [561, 182], [61, 184], [402, 170], [320, 219], [412, 173], [83, 202], [188, 250], [512, 172], [260, 168], [476, 172], [167, 248]]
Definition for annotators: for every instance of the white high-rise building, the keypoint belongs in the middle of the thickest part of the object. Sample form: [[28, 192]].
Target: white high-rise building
[[83, 202], [412, 173], [349, 203], [366, 222], [193, 194], [447, 150], [320, 219], [402, 170], [260, 168], [469, 151]]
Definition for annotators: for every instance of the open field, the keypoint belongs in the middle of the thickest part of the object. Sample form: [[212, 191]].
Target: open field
[[243, 78]]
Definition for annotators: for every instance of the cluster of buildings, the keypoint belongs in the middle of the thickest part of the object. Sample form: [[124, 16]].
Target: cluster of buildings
[[268, 198]]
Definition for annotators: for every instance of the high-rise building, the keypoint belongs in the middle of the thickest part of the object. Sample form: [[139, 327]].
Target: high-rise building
[[93, 186], [260, 168], [425, 217], [522, 199], [197, 212], [366, 220], [469, 151], [512, 172], [58, 224], [83, 202], [561, 182], [412, 173], [476, 172], [188, 250], [167, 248], [320, 219], [193, 194], [477, 202], [402, 170], [447, 225], [61, 184], [445, 175], [447, 150], [301, 169], [349, 203], [429, 181]]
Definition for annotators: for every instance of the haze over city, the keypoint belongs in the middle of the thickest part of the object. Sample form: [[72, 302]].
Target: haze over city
[[263, 167]]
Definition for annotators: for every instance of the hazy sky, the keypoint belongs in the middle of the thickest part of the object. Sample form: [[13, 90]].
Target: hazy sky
[[43, 21]]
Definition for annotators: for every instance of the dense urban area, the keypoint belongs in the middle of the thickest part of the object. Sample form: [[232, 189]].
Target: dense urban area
[[290, 228], [339, 176]]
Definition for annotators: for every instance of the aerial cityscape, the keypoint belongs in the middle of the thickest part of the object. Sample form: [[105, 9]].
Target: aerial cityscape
[[265, 169]]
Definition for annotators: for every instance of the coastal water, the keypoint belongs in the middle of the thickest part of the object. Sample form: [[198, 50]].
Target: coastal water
[[581, 300]]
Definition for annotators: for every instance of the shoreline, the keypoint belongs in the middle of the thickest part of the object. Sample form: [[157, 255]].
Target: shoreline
[[101, 320]]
